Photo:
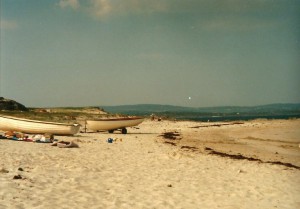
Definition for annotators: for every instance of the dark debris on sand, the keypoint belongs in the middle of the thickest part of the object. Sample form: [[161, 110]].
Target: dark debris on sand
[[171, 135], [171, 143], [189, 148], [241, 157], [217, 125], [18, 177]]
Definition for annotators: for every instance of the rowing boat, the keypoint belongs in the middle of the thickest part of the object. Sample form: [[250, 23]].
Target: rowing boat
[[111, 124], [8, 123]]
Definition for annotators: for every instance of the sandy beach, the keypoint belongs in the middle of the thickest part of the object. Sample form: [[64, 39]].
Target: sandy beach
[[159, 164]]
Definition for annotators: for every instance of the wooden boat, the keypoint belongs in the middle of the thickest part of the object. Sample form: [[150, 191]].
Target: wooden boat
[[8, 123], [111, 124]]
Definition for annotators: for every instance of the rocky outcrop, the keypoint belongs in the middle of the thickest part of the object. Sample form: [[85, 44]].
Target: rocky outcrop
[[8, 104]]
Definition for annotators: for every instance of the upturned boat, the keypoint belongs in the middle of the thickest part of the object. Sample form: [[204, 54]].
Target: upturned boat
[[8, 123], [112, 124]]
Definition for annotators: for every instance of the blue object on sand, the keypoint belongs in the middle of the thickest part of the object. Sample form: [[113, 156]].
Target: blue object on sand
[[110, 140]]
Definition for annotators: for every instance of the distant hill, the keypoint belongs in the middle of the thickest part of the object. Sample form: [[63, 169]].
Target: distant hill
[[145, 109], [11, 105]]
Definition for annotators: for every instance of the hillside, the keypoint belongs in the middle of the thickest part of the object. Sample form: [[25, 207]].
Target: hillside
[[11, 105], [145, 109]]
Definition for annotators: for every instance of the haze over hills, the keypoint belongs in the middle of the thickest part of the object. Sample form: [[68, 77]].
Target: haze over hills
[[221, 113], [156, 108]]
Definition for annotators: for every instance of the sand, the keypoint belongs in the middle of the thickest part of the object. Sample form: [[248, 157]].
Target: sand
[[142, 169]]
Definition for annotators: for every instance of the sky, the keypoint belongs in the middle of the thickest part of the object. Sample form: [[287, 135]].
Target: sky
[[196, 53]]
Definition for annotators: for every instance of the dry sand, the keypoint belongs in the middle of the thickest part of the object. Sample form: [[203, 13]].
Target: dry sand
[[144, 170]]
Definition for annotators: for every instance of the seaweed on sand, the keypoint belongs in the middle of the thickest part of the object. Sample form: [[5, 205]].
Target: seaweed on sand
[[241, 157], [218, 125], [189, 148], [170, 135], [172, 143]]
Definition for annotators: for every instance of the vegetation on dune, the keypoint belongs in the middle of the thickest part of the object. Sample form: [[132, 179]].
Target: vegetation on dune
[[66, 115]]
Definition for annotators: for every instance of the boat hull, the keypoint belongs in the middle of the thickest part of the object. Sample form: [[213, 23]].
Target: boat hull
[[8, 123], [112, 124]]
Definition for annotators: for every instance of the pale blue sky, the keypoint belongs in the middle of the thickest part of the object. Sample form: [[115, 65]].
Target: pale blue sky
[[114, 52]]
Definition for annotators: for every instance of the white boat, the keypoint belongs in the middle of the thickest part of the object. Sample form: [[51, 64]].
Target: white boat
[[8, 123], [111, 124]]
